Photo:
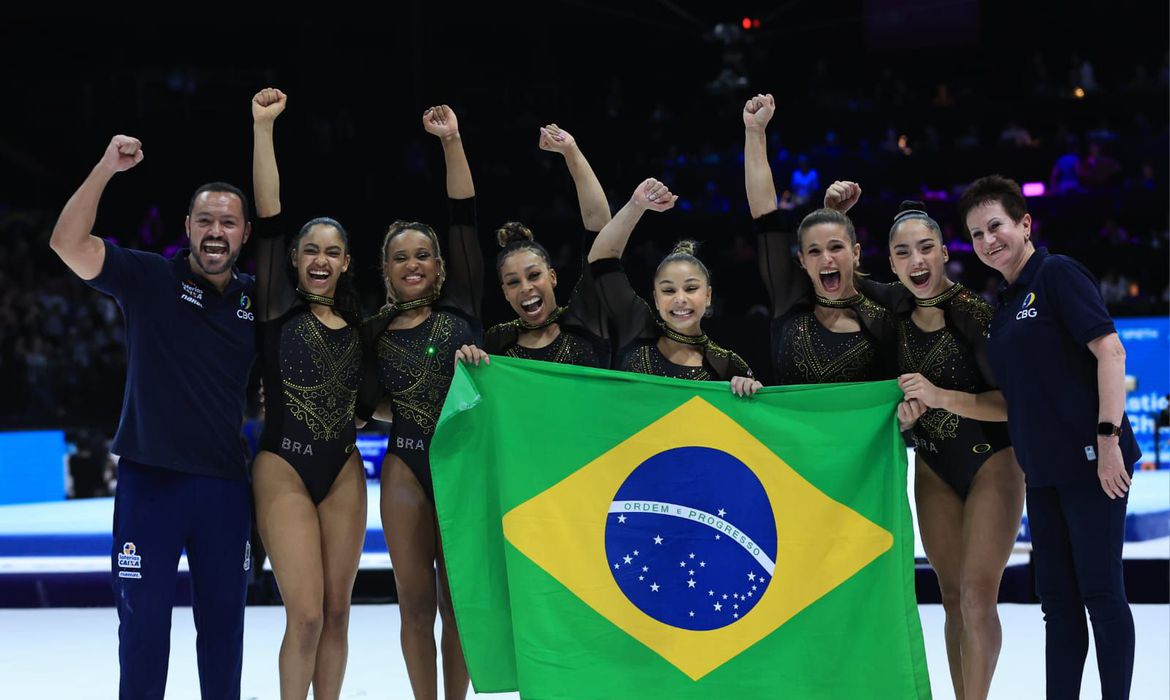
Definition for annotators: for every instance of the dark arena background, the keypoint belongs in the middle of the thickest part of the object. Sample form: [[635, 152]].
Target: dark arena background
[[911, 99]]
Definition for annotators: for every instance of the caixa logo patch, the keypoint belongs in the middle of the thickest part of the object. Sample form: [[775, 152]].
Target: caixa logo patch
[[129, 562], [244, 311], [1027, 310]]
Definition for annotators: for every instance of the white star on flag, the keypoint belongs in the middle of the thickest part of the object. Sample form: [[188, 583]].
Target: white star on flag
[[751, 576], [691, 583], [718, 607], [654, 587], [627, 559], [722, 512], [621, 518], [657, 539]]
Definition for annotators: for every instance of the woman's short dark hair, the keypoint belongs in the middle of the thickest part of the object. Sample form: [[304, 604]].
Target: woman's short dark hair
[[993, 188]]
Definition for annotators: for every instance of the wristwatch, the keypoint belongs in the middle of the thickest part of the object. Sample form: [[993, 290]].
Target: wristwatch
[[1108, 430]]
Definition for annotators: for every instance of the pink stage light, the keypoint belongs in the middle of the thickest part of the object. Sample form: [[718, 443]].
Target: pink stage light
[[1034, 189]]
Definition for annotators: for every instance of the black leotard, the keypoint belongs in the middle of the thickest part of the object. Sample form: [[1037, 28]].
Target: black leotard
[[310, 372], [952, 357], [804, 351], [637, 330], [584, 336], [415, 365]]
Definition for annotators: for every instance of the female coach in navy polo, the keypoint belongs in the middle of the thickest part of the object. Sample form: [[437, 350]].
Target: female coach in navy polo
[[1061, 366]]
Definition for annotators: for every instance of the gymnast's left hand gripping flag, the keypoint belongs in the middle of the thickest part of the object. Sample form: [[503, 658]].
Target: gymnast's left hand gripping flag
[[613, 535]]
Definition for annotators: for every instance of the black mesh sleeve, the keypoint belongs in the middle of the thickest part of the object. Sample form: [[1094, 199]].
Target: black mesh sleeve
[[463, 287], [631, 317], [275, 284], [786, 283], [584, 307]]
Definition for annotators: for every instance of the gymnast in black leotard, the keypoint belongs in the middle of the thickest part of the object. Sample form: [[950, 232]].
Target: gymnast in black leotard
[[310, 370], [824, 329], [951, 357], [431, 320], [416, 363], [307, 479], [576, 333], [969, 490], [667, 341]]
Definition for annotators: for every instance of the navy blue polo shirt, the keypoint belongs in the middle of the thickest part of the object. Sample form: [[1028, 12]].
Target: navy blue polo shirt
[[189, 353], [1038, 349]]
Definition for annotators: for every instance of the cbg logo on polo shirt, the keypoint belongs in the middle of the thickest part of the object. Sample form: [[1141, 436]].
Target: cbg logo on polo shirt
[[245, 304], [192, 293], [1026, 309]]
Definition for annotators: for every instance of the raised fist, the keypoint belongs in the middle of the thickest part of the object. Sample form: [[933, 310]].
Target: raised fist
[[123, 153], [267, 105]]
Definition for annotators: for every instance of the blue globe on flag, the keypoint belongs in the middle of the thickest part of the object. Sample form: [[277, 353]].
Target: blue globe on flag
[[691, 538]]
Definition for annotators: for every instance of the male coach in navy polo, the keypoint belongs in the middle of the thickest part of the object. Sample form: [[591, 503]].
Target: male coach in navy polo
[[181, 475]]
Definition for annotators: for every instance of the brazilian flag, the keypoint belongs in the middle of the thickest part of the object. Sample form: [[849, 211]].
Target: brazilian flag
[[614, 535]]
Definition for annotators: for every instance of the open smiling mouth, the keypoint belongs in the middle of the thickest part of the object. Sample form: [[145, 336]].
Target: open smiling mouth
[[214, 249], [532, 305]]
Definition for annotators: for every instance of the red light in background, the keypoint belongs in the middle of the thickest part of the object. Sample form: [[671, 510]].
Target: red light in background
[[755, 24], [746, 23]]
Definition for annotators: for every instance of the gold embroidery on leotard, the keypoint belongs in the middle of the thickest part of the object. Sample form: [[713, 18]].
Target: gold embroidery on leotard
[[323, 399]]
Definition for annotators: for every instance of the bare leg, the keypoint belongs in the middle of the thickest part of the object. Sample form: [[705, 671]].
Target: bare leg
[[991, 520], [455, 678], [940, 523], [408, 520], [343, 532], [287, 521]]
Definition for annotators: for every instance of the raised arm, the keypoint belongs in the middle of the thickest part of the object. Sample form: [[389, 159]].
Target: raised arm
[[611, 241], [72, 241], [629, 314], [590, 196], [761, 190], [441, 121], [463, 259], [266, 107], [275, 287]]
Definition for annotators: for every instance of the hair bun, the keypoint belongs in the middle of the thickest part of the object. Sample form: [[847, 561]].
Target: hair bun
[[685, 247], [513, 232], [910, 208]]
